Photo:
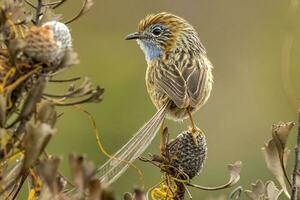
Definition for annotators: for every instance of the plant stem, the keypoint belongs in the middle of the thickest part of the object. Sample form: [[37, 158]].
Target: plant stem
[[295, 171]]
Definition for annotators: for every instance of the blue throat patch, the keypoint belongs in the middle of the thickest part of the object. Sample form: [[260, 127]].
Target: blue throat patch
[[150, 50]]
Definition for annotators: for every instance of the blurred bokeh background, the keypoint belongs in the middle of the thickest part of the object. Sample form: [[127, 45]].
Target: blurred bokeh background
[[255, 48]]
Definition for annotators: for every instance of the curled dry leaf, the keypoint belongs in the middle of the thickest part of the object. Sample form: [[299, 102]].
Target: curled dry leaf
[[261, 191], [36, 138], [280, 133], [234, 173], [46, 113], [48, 171], [273, 162], [84, 178], [234, 170], [34, 96]]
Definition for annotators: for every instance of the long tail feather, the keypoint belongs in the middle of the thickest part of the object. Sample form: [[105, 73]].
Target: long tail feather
[[111, 170]]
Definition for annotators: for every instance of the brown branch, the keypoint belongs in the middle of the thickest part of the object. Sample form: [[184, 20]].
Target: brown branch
[[297, 159]]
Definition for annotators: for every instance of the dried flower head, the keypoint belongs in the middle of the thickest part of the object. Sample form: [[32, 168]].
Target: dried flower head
[[61, 33], [42, 45], [186, 155]]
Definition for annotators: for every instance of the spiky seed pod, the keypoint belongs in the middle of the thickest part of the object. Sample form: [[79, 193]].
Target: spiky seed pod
[[61, 33], [187, 156]]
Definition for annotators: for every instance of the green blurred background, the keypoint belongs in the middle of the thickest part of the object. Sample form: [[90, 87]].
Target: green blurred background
[[256, 83]]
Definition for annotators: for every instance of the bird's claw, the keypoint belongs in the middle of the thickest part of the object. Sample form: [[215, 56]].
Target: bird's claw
[[195, 131]]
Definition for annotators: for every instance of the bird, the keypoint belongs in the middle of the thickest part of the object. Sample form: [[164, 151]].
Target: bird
[[179, 82]]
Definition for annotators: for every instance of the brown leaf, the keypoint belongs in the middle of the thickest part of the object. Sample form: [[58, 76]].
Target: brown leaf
[[82, 171], [36, 139], [261, 191], [272, 191], [280, 133], [94, 189], [46, 113], [272, 160], [48, 171], [33, 97], [234, 171]]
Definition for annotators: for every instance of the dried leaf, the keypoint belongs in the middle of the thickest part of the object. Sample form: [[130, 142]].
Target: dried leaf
[[33, 97], [261, 191], [272, 160], [272, 191], [280, 133], [82, 171], [48, 171], [139, 194], [17, 10], [36, 138], [234, 172], [46, 113]]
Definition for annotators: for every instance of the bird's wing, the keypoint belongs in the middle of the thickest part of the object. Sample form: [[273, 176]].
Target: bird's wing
[[123, 158], [168, 79], [196, 73]]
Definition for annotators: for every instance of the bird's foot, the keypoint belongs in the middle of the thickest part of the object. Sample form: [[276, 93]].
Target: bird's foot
[[195, 131]]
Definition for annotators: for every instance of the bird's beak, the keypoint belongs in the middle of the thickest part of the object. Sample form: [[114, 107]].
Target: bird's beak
[[133, 36]]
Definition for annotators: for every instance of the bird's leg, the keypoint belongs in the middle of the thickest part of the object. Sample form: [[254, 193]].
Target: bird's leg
[[162, 139], [194, 129]]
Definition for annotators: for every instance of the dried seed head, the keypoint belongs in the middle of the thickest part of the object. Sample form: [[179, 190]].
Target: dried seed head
[[41, 46], [61, 33], [48, 43], [186, 155]]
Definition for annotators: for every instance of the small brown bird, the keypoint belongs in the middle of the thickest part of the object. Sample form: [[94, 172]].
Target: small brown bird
[[178, 78]]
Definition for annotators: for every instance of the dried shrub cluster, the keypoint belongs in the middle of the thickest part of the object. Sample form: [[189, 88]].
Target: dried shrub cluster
[[34, 47]]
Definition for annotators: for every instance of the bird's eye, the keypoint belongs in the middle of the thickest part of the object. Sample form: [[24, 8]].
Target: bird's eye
[[156, 31]]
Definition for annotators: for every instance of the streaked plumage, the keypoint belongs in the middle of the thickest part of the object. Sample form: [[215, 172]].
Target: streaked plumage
[[178, 78], [182, 73]]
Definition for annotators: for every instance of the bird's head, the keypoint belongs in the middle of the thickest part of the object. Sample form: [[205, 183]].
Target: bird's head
[[163, 32]]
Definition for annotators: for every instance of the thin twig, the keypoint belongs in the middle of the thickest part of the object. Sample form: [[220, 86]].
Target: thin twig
[[30, 4], [295, 170], [59, 4], [80, 13]]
